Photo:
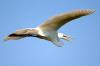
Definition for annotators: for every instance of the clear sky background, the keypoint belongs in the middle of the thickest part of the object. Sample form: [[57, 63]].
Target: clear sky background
[[84, 50]]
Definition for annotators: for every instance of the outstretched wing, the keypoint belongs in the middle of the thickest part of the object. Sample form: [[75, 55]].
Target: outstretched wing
[[57, 21], [20, 34]]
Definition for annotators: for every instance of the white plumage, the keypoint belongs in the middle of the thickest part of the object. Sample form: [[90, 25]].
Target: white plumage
[[48, 30]]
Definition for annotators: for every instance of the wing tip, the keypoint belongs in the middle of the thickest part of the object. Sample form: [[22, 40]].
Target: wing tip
[[12, 38], [6, 38], [90, 11], [86, 11]]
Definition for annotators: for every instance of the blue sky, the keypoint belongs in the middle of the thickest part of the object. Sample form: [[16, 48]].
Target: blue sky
[[84, 50]]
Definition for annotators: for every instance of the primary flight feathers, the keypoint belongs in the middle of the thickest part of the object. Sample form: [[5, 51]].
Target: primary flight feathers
[[48, 30], [57, 21]]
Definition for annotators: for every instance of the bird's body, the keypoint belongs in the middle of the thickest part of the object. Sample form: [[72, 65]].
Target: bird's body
[[49, 29]]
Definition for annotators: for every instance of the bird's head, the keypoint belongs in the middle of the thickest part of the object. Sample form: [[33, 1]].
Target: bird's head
[[65, 37]]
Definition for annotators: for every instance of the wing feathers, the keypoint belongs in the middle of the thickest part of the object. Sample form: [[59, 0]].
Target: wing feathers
[[21, 34], [57, 21]]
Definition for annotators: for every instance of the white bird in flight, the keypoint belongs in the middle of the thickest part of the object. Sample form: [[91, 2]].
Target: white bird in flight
[[49, 29]]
